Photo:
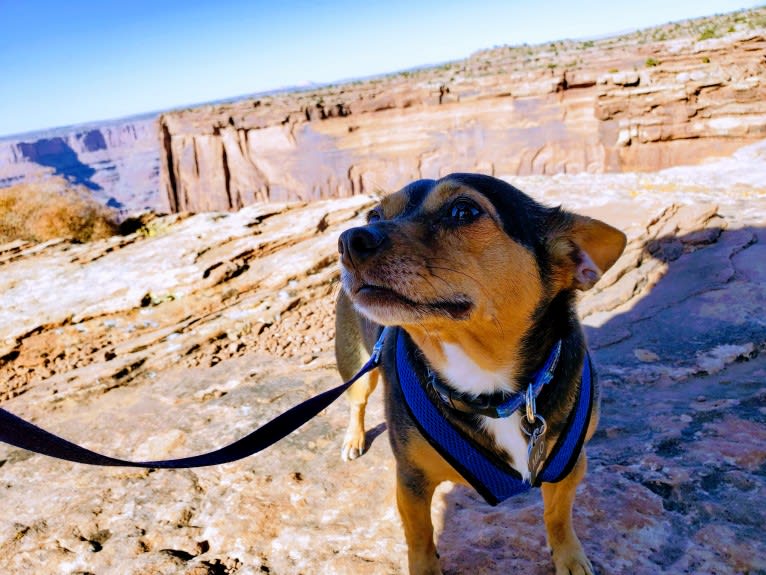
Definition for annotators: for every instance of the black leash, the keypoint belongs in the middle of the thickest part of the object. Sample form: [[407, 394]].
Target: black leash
[[21, 433]]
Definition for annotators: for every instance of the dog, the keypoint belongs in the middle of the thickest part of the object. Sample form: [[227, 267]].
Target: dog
[[477, 283]]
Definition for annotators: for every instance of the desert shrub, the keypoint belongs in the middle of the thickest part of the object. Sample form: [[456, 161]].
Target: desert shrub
[[707, 34], [651, 63], [53, 209]]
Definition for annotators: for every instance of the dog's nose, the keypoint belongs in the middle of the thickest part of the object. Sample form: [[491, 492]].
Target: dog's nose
[[358, 244]]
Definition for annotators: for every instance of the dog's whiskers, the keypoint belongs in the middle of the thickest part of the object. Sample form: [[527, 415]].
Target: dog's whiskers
[[452, 270], [428, 281], [495, 321]]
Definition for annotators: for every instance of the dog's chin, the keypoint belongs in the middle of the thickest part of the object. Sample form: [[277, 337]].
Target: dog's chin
[[388, 307]]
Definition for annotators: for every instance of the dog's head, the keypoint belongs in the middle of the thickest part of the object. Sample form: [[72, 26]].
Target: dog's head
[[468, 259]]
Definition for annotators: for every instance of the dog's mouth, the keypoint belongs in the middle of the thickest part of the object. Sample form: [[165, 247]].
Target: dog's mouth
[[369, 295]]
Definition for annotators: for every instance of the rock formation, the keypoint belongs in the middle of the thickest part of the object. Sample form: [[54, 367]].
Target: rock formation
[[656, 98], [638, 103], [196, 329], [117, 161]]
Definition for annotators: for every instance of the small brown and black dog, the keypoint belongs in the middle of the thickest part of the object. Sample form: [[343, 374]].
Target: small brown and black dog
[[482, 280]]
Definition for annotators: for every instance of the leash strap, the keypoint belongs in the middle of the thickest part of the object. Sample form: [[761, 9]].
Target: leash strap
[[21, 433]]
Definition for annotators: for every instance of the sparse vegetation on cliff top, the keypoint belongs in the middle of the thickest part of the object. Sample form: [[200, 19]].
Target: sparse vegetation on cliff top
[[51, 209]]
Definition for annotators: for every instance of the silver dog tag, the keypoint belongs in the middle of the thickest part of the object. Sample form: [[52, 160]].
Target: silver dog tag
[[536, 448]]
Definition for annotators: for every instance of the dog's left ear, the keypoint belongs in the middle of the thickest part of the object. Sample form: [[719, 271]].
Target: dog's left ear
[[582, 249]]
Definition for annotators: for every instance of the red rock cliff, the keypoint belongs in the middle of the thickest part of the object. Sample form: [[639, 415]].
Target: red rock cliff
[[606, 106]]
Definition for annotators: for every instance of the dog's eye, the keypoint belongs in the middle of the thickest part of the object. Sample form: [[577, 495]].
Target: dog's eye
[[464, 212], [373, 217]]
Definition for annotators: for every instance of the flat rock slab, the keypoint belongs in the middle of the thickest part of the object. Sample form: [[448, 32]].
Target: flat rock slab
[[188, 335]]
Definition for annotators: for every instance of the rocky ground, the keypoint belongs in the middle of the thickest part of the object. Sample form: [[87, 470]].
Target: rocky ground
[[194, 330]]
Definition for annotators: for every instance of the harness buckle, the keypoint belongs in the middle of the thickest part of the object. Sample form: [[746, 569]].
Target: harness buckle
[[378, 347]]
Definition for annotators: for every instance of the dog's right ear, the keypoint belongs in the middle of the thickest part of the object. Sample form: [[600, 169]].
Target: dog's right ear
[[582, 249]]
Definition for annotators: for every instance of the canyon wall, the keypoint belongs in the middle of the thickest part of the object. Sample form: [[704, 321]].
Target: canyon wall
[[672, 95], [624, 104], [117, 161]]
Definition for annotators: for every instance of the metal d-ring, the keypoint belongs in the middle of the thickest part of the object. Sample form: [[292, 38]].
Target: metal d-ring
[[531, 407], [538, 427]]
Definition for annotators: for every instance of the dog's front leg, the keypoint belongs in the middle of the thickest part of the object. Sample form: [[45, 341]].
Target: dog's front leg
[[568, 554], [354, 441], [413, 497]]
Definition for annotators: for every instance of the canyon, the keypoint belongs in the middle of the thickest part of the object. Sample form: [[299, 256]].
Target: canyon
[[637, 103], [667, 96], [569, 107], [118, 162]]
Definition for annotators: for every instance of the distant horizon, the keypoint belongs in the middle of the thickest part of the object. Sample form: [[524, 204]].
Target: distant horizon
[[72, 106]]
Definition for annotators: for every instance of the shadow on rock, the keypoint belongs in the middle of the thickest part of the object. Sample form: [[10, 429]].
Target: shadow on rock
[[677, 332], [56, 153], [374, 433]]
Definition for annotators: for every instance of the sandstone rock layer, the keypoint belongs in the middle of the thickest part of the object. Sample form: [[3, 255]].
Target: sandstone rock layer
[[568, 107], [195, 330]]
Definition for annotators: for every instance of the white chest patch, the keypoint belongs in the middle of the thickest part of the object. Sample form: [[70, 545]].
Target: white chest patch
[[464, 375], [508, 435]]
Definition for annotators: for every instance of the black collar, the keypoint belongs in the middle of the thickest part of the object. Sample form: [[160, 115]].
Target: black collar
[[499, 404]]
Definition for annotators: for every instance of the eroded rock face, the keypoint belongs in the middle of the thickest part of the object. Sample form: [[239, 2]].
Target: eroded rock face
[[572, 107], [193, 332], [117, 161], [641, 102]]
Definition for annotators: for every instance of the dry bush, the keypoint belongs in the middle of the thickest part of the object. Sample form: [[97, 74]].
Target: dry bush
[[53, 209]]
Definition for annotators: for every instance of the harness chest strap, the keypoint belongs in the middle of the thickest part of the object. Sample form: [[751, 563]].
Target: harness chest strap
[[493, 482]]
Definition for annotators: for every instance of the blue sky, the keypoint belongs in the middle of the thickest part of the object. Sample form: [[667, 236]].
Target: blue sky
[[65, 62]]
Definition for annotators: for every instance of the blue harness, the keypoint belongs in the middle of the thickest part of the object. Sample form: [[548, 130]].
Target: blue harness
[[494, 482], [491, 479]]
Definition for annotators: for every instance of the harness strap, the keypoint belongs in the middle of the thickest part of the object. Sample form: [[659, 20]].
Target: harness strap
[[21, 433], [567, 449], [494, 482], [498, 405]]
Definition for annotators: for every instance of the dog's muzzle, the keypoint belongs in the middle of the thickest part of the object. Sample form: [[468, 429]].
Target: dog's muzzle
[[357, 245]]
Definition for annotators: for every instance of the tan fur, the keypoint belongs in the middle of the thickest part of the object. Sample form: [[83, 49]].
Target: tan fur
[[486, 264], [393, 205], [568, 554], [358, 394], [415, 505], [595, 242], [415, 511], [426, 264]]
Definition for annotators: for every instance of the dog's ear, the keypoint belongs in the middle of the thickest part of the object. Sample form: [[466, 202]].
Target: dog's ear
[[582, 249]]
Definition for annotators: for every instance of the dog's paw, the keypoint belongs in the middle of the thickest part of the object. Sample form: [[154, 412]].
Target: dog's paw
[[425, 566], [353, 445], [573, 562]]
